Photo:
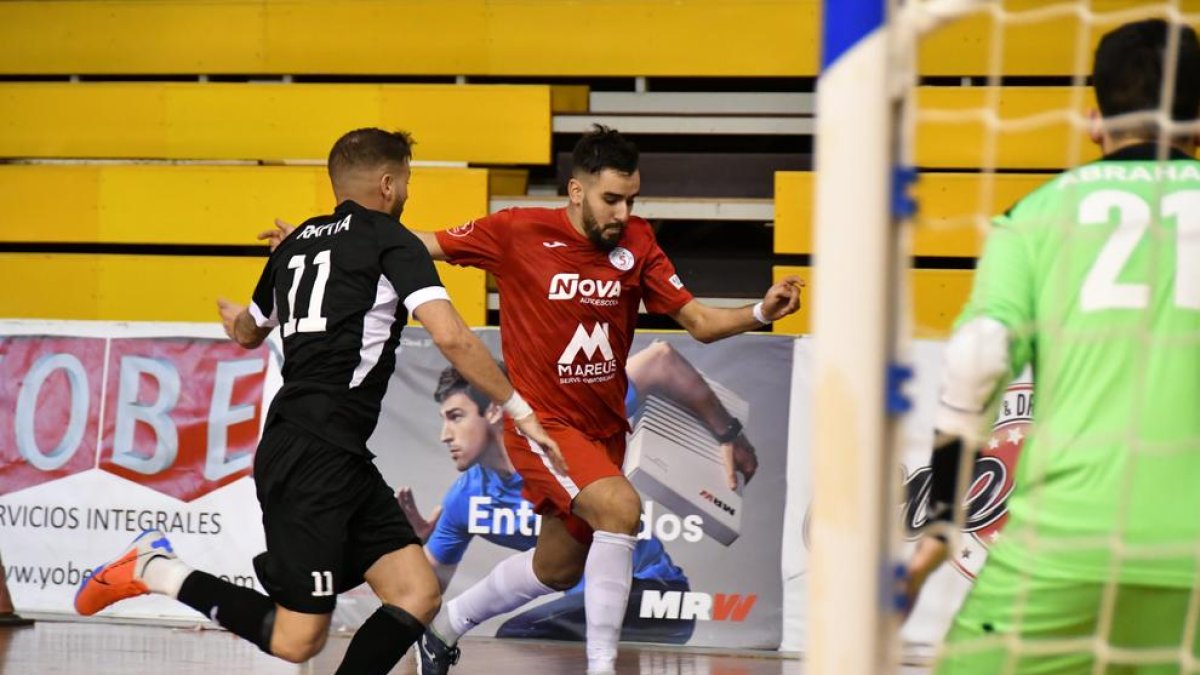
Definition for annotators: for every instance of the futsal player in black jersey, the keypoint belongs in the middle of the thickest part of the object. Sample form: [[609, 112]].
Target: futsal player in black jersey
[[340, 288]]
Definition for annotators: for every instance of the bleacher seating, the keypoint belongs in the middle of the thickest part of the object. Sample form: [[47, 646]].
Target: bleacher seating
[[547, 38], [498, 124], [207, 106], [56, 215]]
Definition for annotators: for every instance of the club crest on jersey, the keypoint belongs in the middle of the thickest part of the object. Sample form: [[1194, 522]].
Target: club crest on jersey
[[462, 230], [621, 258], [986, 501]]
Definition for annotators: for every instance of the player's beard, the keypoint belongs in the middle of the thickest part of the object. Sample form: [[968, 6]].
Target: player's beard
[[397, 209], [605, 237]]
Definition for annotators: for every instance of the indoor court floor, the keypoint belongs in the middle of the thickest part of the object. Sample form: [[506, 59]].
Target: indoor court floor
[[103, 648]]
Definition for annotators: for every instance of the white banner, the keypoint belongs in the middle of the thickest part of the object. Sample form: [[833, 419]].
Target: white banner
[[985, 501], [107, 429]]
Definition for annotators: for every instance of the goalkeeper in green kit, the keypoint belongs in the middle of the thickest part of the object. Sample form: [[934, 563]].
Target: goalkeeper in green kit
[[1094, 280]]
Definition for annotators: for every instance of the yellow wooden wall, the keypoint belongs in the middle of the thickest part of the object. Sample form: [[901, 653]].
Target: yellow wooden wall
[[188, 205], [936, 298], [498, 124], [774, 38]]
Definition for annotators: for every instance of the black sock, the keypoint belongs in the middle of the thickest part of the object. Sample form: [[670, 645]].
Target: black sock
[[381, 641], [245, 612]]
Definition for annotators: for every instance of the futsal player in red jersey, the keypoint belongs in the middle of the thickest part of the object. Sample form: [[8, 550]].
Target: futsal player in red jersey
[[571, 281]]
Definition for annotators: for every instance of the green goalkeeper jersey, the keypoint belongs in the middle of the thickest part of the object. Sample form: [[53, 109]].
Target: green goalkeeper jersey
[[1097, 277]]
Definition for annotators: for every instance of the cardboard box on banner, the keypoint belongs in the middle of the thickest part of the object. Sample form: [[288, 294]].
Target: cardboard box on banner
[[673, 459]]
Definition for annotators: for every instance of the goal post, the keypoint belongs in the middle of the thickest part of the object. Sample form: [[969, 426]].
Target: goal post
[[1003, 142], [863, 209], [856, 246]]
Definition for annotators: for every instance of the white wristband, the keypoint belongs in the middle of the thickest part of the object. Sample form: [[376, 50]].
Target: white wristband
[[758, 314], [516, 407]]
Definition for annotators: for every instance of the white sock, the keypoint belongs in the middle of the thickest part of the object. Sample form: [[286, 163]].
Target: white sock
[[165, 575], [607, 578], [510, 584]]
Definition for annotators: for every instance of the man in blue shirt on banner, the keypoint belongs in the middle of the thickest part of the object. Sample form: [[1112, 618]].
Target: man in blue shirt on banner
[[486, 499]]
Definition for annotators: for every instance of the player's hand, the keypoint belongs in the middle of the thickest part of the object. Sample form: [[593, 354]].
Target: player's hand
[[783, 298], [930, 554], [277, 235], [739, 456], [229, 313], [421, 526], [532, 429]]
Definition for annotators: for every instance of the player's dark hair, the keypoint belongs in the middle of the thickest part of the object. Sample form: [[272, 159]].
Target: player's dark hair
[[451, 382], [604, 148], [369, 148], [1130, 65]]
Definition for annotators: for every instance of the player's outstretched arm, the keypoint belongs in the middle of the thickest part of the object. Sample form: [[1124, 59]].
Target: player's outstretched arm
[[431, 245], [239, 325], [709, 324], [471, 358], [275, 236], [660, 369]]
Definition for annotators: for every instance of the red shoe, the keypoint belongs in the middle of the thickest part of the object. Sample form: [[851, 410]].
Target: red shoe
[[121, 578]]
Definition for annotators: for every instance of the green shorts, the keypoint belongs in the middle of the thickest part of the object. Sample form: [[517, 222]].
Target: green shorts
[[1015, 624]]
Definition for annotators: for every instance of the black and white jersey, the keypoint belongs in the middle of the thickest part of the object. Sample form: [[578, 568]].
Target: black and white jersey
[[341, 287]]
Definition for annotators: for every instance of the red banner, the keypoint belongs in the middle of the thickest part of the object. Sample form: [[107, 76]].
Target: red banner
[[49, 408], [180, 415]]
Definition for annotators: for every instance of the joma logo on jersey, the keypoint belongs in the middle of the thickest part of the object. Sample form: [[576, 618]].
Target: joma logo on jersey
[[569, 286], [310, 231], [717, 502], [698, 606]]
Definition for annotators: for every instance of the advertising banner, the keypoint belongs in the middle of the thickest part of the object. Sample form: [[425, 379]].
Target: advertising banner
[[985, 502], [707, 563], [107, 429]]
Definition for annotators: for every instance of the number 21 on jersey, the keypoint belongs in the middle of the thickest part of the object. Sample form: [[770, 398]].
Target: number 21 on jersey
[[314, 322], [1101, 288]]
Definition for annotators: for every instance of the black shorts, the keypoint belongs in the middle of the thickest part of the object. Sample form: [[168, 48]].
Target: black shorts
[[328, 516]]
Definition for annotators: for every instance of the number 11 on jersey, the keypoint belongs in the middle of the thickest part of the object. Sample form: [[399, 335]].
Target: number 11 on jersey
[[314, 322]]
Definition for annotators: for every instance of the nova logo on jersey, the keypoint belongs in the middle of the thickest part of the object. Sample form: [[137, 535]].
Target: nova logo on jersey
[[568, 286], [311, 231], [694, 605], [587, 344], [986, 501]]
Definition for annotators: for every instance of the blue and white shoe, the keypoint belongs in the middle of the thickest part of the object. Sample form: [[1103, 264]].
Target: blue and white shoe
[[435, 656]]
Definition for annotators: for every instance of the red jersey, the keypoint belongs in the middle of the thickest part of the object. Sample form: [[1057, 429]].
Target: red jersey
[[569, 308]]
